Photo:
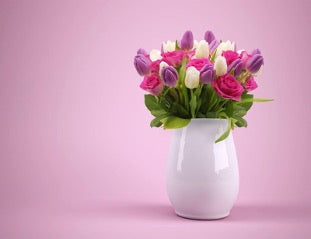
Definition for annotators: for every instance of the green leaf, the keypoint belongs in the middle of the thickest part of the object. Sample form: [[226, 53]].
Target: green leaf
[[211, 114], [256, 100], [193, 105], [157, 121], [226, 133], [240, 122], [176, 45], [173, 122], [179, 110], [154, 106]]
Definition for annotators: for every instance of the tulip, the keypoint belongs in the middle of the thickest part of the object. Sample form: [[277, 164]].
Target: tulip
[[225, 46], [214, 44], [207, 74], [169, 75], [142, 64], [256, 51], [236, 66], [168, 46], [162, 64], [209, 36], [202, 50], [195, 44], [186, 42], [192, 78], [142, 52], [155, 55], [220, 66], [254, 63]]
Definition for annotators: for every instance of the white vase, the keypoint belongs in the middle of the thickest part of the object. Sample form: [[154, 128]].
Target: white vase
[[202, 177]]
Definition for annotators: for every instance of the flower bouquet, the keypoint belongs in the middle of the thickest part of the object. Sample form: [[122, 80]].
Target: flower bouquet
[[199, 79]]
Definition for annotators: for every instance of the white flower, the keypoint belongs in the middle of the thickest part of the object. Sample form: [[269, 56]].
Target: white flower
[[155, 55], [195, 44], [192, 77], [220, 66], [202, 49], [162, 64], [168, 46], [225, 46]]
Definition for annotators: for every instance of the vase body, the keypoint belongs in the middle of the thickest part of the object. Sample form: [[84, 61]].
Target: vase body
[[202, 176]]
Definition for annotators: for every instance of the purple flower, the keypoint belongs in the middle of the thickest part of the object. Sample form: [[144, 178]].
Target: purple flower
[[207, 74], [254, 63], [256, 51], [169, 75], [186, 42], [213, 45], [209, 36], [142, 64], [236, 66], [142, 52]]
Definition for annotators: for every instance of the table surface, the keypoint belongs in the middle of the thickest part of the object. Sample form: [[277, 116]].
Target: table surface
[[154, 219]]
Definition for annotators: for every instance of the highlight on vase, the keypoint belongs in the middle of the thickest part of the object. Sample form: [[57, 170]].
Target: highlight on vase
[[189, 79]]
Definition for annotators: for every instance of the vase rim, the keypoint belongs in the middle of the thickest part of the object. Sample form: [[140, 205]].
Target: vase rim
[[207, 119]]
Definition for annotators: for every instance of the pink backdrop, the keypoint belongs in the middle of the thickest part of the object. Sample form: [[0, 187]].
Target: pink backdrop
[[77, 156]]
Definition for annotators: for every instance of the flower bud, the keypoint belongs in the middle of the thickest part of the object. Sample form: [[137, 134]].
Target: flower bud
[[225, 46], [202, 50], [186, 42], [142, 64], [169, 75], [214, 44], [256, 51], [209, 36], [207, 74], [220, 66], [236, 66], [254, 63], [142, 52], [155, 55], [162, 64], [168, 46], [192, 78]]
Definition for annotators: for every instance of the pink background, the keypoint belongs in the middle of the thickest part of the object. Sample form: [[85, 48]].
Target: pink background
[[77, 156]]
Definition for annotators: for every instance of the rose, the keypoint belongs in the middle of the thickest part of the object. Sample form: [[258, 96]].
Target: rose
[[250, 84], [198, 63], [152, 84], [230, 56], [228, 87], [192, 78], [173, 58], [155, 67]]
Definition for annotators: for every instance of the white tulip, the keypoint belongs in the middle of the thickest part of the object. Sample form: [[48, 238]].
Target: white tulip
[[202, 50], [220, 66], [168, 46], [162, 64], [192, 79], [225, 46], [195, 44], [155, 55]]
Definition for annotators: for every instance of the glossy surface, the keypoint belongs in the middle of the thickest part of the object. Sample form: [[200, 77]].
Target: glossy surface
[[202, 177]]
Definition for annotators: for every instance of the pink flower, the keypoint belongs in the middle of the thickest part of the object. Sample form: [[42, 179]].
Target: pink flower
[[198, 63], [228, 87], [154, 66], [250, 84], [173, 58], [244, 56], [230, 56], [152, 84]]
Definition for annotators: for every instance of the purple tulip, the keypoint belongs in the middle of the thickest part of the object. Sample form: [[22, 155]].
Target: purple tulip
[[142, 52], [236, 66], [207, 74], [214, 44], [186, 42], [142, 64], [209, 36], [169, 75], [256, 51], [254, 63]]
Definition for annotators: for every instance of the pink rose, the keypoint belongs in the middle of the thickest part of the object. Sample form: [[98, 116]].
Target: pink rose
[[154, 66], [230, 56], [228, 87], [250, 84], [244, 56], [173, 58], [198, 63], [152, 84]]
